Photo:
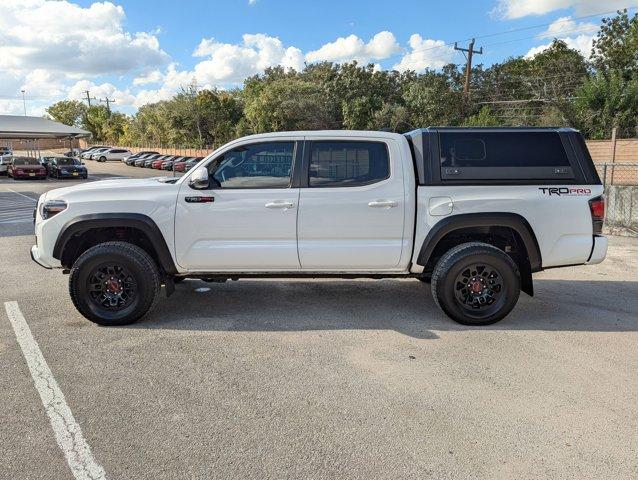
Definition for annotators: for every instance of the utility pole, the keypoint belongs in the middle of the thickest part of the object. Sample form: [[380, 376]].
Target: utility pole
[[24, 103], [468, 66], [108, 102], [89, 97]]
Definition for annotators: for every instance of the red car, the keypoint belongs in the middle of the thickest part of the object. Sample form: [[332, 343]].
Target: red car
[[26, 167], [157, 164]]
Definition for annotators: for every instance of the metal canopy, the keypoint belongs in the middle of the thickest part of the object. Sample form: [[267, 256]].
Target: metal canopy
[[20, 127]]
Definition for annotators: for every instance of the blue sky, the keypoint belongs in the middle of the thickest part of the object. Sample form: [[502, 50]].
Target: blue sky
[[140, 51]]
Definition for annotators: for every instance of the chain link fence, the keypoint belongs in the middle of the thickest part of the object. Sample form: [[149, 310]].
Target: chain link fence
[[621, 191]]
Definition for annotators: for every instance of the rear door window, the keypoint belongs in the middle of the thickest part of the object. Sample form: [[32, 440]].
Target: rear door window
[[477, 155], [347, 164]]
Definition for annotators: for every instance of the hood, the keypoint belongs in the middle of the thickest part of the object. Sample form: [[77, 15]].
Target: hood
[[112, 187]]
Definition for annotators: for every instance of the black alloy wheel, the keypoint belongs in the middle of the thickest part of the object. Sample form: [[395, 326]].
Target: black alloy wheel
[[114, 283], [111, 286], [476, 284]]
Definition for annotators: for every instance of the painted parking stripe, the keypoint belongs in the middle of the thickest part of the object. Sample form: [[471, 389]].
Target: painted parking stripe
[[67, 431], [16, 207]]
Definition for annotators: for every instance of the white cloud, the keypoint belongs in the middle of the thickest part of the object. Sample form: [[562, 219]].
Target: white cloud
[[344, 49], [154, 76], [232, 63], [252, 2], [65, 38], [578, 36], [511, 9], [101, 92], [425, 54]]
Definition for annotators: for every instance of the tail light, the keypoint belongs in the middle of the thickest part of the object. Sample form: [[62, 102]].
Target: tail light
[[597, 209]]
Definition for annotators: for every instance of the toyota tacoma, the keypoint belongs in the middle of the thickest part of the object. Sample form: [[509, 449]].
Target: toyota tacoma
[[472, 211]]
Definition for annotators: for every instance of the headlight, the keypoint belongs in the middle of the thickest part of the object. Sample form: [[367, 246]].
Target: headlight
[[52, 207]]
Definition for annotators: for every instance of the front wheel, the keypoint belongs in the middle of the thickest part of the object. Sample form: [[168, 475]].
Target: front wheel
[[114, 283], [102, 159], [476, 284]]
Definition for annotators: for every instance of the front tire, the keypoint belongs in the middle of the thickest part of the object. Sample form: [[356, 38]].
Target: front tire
[[114, 283], [476, 284], [102, 159]]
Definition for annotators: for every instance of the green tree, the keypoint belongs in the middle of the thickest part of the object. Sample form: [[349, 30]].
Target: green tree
[[68, 112], [615, 48], [285, 104], [95, 121]]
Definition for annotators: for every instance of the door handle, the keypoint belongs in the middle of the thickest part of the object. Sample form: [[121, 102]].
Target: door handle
[[199, 199], [279, 205], [383, 204]]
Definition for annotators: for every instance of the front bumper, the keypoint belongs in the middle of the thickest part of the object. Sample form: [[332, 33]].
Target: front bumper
[[35, 256], [599, 250]]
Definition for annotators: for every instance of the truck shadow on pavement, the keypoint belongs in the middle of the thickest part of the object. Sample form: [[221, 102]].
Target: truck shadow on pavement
[[405, 306]]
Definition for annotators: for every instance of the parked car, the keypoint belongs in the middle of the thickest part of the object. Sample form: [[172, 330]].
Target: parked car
[[111, 154], [168, 164], [85, 154], [26, 167], [148, 163], [181, 165], [74, 152], [475, 217], [65, 167], [4, 162], [140, 161], [157, 164], [191, 163], [4, 150], [97, 151], [131, 158]]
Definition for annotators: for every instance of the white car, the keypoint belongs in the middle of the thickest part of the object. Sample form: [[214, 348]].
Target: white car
[[111, 154], [4, 161], [86, 154], [473, 211]]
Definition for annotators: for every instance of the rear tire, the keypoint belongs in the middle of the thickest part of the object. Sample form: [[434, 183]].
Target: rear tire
[[476, 284], [114, 283]]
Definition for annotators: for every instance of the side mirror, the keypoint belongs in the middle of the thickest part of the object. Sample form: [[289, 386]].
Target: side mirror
[[199, 179]]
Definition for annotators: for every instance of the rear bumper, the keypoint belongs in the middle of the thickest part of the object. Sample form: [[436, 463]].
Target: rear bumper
[[599, 250]]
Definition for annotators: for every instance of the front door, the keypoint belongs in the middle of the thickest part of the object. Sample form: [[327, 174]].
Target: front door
[[351, 215], [247, 219]]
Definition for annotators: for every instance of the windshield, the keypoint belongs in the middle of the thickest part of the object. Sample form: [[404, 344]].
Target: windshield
[[24, 161]]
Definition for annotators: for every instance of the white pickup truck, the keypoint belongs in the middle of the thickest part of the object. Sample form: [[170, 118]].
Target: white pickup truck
[[472, 211]]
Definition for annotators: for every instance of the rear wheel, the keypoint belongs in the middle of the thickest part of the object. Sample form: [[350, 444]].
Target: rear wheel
[[114, 283], [476, 284]]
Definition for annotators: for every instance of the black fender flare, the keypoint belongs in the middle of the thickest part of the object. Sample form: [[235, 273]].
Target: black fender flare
[[140, 221], [454, 222]]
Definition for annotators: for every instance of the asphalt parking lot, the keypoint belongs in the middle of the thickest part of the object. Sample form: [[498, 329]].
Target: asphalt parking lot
[[322, 379]]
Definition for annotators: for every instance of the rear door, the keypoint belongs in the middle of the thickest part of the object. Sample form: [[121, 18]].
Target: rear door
[[247, 219], [351, 206]]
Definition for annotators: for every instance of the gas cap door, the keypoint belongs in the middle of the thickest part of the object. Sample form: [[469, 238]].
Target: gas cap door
[[440, 206]]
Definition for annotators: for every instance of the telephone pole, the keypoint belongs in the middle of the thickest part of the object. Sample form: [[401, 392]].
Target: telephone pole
[[468, 66], [108, 102], [89, 97]]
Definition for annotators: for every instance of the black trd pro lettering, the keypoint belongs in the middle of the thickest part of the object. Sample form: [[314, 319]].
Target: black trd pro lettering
[[564, 191]]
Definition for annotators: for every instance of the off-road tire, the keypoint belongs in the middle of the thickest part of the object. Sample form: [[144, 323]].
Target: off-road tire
[[140, 267], [445, 285]]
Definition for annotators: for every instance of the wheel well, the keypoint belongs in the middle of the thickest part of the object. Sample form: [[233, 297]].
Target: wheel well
[[82, 241], [504, 238]]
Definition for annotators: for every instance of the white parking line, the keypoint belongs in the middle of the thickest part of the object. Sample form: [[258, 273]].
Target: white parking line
[[23, 195], [67, 431]]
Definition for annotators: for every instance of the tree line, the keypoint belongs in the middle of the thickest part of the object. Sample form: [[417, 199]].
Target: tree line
[[557, 87]]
